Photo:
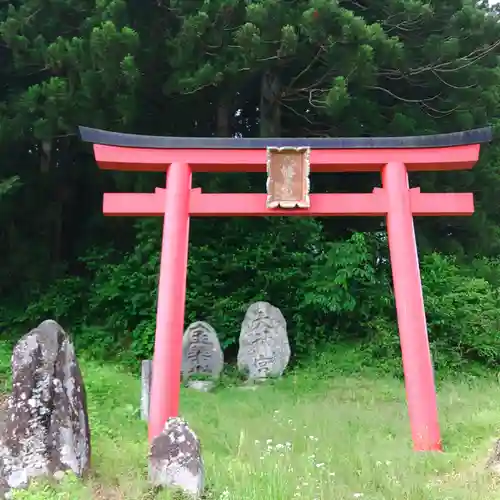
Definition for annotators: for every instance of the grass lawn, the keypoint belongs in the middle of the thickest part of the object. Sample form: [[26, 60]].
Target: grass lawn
[[328, 439]]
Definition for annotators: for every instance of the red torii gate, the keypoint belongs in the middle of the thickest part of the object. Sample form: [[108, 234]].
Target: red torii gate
[[394, 157]]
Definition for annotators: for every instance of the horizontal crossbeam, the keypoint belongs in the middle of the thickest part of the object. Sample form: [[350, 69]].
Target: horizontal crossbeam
[[254, 160], [254, 205]]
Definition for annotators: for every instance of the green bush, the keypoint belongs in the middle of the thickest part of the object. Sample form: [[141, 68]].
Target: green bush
[[324, 289], [330, 293], [462, 312], [462, 317], [5, 370]]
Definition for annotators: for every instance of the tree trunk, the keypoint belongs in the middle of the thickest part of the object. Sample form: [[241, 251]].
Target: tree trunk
[[223, 109], [270, 105]]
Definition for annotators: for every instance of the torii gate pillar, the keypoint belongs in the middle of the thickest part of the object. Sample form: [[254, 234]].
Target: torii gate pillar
[[417, 364], [167, 360]]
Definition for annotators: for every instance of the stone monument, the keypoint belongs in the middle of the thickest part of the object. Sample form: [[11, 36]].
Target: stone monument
[[201, 355], [264, 350], [146, 374], [45, 430], [175, 459]]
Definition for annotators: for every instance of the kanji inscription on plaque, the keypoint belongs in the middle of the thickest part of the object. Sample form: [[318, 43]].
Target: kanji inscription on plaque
[[288, 177]]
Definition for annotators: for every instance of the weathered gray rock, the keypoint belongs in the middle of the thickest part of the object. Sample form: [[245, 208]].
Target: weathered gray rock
[[146, 373], [201, 351], [46, 430], [3, 411], [175, 459], [264, 349], [493, 463]]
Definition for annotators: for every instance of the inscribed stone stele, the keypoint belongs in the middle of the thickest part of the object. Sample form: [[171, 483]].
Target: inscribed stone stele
[[264, 350], [201, 351]]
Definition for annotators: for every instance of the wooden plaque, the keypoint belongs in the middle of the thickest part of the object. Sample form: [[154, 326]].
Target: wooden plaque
[[288, 177]]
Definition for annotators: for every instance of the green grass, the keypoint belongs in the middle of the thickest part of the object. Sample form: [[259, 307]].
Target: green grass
[[339, 438]]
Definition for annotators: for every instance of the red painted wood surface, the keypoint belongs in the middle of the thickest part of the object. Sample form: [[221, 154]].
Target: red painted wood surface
[[412, 326], [167, 360], [254, 160], [254, 205]]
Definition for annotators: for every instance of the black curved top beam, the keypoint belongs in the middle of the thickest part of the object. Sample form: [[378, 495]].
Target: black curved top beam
[[104, 137]]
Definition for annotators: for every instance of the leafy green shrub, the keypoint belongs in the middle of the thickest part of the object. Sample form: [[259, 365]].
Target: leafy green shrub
[[462, 312], [345, 289], [324, 289], [462, 317], [220, 285], [330, 292], [63, 302], [5, 370]]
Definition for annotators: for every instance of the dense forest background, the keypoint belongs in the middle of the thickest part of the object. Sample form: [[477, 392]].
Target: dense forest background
[[314, 68]]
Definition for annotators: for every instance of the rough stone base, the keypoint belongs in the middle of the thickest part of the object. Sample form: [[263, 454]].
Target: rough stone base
[[175, 459]]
